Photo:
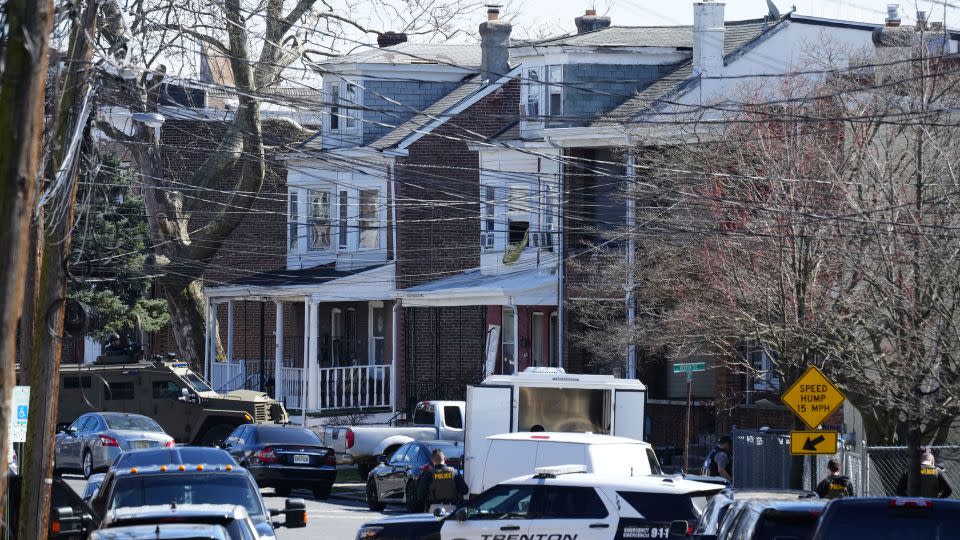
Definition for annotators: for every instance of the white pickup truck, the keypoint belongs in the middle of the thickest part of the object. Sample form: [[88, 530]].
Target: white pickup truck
[[362, 444]]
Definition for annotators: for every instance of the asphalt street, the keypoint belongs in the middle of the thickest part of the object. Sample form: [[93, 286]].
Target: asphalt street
[[336, 518]]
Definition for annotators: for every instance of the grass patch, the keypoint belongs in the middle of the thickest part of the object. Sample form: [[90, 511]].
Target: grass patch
[[348, 476]]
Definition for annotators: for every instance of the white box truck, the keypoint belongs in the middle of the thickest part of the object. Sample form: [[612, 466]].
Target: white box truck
[[551, 400]]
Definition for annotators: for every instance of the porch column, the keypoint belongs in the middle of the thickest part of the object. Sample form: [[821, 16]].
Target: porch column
[[278, 353], [306, 356], [230, 331], [394, 354], [208, 338], [313, 373], [516, 336]]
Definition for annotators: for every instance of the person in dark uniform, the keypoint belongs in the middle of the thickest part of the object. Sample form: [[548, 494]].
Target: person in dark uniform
[[719, 461], [113, 345], [835, 485], [932, 482], [440, 486]]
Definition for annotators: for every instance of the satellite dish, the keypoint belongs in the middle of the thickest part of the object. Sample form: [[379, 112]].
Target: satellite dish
[[774, 12]]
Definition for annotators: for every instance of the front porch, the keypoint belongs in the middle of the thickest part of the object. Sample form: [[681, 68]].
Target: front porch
[[331, 341]]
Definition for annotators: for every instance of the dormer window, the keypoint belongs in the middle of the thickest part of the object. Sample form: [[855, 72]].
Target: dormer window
[[319, 220], [542, 96], [344, 106]]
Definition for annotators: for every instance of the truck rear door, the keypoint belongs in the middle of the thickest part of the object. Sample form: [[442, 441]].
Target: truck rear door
[[489, 412], [628, 413], [335, 437]]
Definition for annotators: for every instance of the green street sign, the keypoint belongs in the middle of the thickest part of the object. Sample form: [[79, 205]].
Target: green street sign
[[686, 368]]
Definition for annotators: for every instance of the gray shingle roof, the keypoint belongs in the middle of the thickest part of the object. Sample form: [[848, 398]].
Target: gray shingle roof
[[465, 56], [437, 111], [626, 36], [738, 34]]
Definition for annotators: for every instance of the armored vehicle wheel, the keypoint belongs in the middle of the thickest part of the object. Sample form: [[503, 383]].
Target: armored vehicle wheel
[[216, 434]]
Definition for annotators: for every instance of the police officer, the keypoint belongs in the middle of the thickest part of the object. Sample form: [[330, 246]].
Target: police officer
[[440, 486], [113, 346], [719, 461], [932, 482], [835, 485]]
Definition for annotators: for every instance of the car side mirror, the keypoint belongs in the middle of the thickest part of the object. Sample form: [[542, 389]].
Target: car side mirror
[[295, 512], [65, 523], [460, 515], [679, 529]]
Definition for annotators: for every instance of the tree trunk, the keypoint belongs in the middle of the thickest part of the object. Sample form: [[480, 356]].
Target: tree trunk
[[30, 298], [913, 462], [22, 95], [186, 305]]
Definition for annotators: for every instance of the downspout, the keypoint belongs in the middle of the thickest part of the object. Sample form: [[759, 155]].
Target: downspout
[[631, 224]]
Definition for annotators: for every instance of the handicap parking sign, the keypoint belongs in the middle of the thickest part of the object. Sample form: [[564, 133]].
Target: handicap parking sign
[[22, 412]]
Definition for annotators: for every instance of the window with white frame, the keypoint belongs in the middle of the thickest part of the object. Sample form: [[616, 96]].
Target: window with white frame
[[293, 216], [554, 98], [508, 341], [488, 225], [542, 95], [533, 94], [518, 212], [319, 218], [549, 206], [537, 331], [377, 326], [344, 105], [369, 221], [336, 335]]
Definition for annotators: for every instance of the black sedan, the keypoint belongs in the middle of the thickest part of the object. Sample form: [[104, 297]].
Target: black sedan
[[394, 480], [284, 458]]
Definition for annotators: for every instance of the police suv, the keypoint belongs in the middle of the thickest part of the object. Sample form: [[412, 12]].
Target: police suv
[[563, 503]]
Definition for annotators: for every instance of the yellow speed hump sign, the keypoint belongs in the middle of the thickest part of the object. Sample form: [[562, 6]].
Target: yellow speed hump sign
[[813, 397], [805, 443]]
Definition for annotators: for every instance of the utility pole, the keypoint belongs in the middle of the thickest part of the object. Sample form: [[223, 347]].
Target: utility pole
[[22, 92], [71, 126]]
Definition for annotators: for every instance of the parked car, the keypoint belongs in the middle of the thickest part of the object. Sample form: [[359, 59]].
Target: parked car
[[770, 520], [432, 420], [514, 454], [889, 517], [68, 511], [94, 440], [717, 509], [234, 519], [284, 458], [563, 502], [163, 531], [192, 484], [93, 484], [395, 479]]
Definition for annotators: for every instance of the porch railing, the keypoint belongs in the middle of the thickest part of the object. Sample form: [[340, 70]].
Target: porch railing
[[227, 376], [355, 387], [291, 385]]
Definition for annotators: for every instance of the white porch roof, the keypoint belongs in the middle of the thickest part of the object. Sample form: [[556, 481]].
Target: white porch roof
[[321, 284], [472, 288]]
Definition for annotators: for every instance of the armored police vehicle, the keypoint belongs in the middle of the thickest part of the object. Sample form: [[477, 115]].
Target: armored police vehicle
[[168, 391]]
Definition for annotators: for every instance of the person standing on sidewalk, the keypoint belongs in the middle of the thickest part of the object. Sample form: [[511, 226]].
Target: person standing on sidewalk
[[835, 485]]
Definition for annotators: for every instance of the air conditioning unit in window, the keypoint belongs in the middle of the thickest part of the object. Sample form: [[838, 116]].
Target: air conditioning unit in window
[[486, 240]]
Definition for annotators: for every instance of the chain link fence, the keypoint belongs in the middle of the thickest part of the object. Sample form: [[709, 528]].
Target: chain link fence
[[762, 460]]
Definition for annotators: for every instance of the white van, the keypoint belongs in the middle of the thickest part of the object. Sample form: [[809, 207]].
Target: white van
[[515, 454]]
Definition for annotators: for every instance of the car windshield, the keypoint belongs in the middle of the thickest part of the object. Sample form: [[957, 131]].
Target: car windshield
[[196, 382], [132, 490], [885, 522], [132, 423], [283, 435]]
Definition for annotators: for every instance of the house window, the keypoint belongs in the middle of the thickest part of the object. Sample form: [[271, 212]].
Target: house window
[[765, 376], [350, 102], [534, 89], [548, 214], [489, 223], [319, 220], [336, 335], [343, 106], [518, 213], [342, 229], [554, 339], [555, 94], [369, 219], [536, 338], [377, 324], [293, 215], [335, 107], [508, 342]]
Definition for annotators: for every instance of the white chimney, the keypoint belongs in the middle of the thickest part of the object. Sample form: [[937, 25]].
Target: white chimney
[[708, 38]]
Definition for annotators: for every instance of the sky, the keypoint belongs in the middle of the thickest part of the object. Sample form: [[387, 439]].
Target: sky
[[670, 12]]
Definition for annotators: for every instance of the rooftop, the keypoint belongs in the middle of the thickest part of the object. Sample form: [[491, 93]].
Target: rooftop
[[461, 56], [680, 37]]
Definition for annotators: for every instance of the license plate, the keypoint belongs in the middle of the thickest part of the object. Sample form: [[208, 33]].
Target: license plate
[[141, 444], [301, 459]]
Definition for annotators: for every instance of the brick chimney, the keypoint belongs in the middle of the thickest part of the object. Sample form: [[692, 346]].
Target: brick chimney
[[388, 39], [708, 35], [494, 45], [590, 22]]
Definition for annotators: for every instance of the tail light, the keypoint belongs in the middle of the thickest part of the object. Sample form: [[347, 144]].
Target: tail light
[[331, 459], [350, 438], [108, 441], [171, 444], [265, 456], [911, 503]]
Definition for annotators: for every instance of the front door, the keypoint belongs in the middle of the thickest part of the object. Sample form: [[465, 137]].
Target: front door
[[571, 512], [501, 511]]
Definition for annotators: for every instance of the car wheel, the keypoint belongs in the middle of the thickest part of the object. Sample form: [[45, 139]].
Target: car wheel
[[373, 500], [364, 471], [322, 492], [411, 496], [86, 466], [283, 491]]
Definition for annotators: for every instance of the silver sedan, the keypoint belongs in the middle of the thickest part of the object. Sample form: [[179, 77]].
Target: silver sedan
[[94, 440]]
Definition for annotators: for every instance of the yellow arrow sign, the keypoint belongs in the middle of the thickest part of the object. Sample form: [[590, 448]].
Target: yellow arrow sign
[[806, 443], [812, 397]]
